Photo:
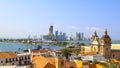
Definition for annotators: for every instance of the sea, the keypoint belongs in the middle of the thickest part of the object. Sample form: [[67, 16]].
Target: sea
[[19, 47]]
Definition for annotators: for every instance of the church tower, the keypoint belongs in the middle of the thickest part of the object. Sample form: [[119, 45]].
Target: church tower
[[94, 42], [105, 45]]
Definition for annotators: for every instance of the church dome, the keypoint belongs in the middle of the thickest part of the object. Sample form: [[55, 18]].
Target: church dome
[[94, 39], [106, 38]]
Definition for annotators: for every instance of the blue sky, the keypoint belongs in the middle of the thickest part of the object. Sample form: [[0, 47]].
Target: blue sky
[[20, 18]]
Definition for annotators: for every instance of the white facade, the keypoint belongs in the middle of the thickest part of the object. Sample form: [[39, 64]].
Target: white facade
[[97, 57], [20, 59], [9, 61]]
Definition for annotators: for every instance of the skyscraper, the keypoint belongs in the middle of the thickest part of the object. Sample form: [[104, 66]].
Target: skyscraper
[[78, 36], [64, 36], [82, 36], [56, 35], [51, 30], [51, 35]]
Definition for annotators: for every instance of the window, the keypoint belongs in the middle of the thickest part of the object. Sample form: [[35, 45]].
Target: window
[[16, 59], [28, 57], [6, 60], [22, 58], [113, 55], [61, 63], [12, 63], [1, 61], [10, 60], [13, 59], [107, 49], [25, 58]]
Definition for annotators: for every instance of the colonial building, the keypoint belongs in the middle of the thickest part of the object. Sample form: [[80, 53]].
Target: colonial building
[[11, 58], [103, 46], [94, 42]]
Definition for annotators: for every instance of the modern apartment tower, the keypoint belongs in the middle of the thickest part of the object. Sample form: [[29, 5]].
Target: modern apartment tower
[[51, 35]]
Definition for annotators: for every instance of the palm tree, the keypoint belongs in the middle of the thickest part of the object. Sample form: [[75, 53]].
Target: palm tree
[[66, 52], [39, 47]]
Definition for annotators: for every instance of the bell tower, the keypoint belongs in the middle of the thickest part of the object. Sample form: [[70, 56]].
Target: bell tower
[[105, 45], [94, 42]]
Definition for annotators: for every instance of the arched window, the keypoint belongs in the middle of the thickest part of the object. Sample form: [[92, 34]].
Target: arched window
[[113, 55]]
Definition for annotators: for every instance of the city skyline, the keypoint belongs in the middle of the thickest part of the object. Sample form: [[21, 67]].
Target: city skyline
[[19, 18]]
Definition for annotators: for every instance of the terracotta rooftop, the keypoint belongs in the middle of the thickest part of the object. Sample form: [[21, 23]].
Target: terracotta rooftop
[[69, 64], [37, 51], [7, 54], [116, 61], [42, 62], [88, 53]]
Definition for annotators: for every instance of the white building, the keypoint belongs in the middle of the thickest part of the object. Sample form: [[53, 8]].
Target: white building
[[97, 57], [11, 58]]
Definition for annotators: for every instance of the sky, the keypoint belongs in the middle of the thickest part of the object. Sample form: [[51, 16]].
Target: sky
[[21, 18]]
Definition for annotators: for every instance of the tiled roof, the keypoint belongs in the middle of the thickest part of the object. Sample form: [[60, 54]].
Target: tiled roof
[[42, 62], [7, 54], [88, 53], [41, 51], [69, 64], [116, 61]]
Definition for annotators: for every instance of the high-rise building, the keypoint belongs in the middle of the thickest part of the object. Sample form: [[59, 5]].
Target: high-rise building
[[51, 35], [64, 36], [60, 36], [82, 36], [56, 35], [51, 30], [78, 36]]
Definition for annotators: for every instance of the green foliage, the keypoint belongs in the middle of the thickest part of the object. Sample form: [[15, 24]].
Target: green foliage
[[95, 62], [81, 44], [79, 58], [39, 47], [76, 51], [66, 52], [71, 66]]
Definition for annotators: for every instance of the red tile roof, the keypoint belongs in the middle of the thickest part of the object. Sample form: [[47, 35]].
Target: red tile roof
[[88, 53], [42, 62], [7, 54]]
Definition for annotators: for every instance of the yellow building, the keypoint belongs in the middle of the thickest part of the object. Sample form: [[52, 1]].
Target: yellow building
[[115, 51], [85, 49]]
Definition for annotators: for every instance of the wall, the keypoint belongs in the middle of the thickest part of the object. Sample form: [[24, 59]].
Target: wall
[[116, 55]]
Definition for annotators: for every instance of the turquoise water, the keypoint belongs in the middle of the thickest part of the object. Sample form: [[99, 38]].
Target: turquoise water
[[88, 42], [19, 47]]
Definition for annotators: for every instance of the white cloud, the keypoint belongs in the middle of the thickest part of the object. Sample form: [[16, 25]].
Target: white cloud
[[94, 28], [73, 27], [57, 26]]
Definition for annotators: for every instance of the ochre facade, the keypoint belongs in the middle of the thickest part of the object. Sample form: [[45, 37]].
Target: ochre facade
[[103, 46]]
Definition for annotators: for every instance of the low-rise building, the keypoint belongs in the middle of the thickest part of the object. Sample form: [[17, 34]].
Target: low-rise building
[[91, 56], [8, 58], [11, 58]]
